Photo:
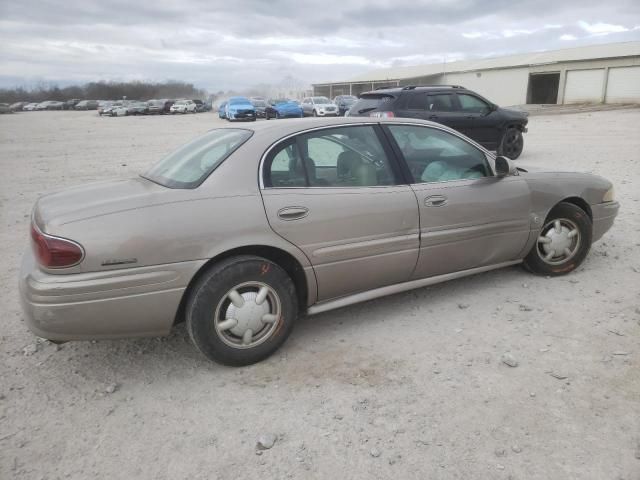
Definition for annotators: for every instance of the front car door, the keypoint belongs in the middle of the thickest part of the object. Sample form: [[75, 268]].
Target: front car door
[[442, 108], [485, 129], [468, 216], [335, 193]]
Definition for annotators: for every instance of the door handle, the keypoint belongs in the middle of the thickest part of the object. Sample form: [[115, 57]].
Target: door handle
[[293, 213], [435, 201]]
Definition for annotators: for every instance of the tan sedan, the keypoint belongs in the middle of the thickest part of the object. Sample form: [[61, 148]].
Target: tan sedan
[[245, 228]]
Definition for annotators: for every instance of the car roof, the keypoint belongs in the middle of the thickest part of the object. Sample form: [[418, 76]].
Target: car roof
[[414, 87]]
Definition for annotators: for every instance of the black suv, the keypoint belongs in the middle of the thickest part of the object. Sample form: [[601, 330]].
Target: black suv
[[494, 128]]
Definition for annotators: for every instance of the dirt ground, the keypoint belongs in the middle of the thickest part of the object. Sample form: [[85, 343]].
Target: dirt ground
[[407, 387]]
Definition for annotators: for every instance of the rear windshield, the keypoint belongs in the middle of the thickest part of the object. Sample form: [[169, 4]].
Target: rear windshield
[[192, 163], [369, 102]]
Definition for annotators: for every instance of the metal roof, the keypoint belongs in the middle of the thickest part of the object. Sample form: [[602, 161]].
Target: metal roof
[[589, 52]]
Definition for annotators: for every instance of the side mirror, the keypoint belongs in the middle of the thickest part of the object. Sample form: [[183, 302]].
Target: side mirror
[[504, 167]]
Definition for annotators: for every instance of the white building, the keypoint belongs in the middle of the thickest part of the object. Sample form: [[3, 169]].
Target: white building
[[607, 73]]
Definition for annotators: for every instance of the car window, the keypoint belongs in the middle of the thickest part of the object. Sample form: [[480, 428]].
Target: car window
[[417, 101], [192, 163], [472, 104], [441, 102], [346, 157], [284, 167], [434, 155]]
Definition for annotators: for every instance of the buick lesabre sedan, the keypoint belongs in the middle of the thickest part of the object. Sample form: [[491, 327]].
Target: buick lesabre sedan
[[246, 228]]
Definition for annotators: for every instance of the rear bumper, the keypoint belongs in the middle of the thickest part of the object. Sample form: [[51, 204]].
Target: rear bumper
[[130, 302], [604, 215]]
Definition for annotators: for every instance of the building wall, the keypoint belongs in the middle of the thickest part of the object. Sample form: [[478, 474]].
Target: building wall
[[504, 87]]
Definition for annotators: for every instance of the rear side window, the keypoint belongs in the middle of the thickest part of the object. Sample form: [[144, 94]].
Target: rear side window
[[370, 102], [417, 101], [441, 102], [192, 163]]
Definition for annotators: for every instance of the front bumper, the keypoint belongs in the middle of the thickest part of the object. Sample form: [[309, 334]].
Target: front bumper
[[242, 115], [604, 214], [132, 302], [324, 113]]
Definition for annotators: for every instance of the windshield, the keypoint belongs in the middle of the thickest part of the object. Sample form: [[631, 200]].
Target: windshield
[[259, 103], [370, 102], [321, 100], [192, 163], [236, 101], [348, 99]]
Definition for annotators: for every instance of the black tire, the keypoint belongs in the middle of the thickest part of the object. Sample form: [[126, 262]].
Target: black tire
[[315, 114], [208, 299], [266, 116], [512, 143], [569, 217], [277, 115]]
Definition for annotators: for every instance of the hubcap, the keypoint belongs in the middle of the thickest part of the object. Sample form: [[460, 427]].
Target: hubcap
[[247, 315], [559, 241], [513, 143]]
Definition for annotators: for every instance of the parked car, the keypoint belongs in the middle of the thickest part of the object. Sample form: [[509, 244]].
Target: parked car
[[344, 103], [138, 108], [30, 107], [340, 211], [183, 106], [239, 108], [50, 105], [199, 105], [5, 108], [108, 107], [283, 108], [222, 110], [495, 128], [161, 106], [319, 107], [87, 105], [18, 106], [260, 106], [70, 104]]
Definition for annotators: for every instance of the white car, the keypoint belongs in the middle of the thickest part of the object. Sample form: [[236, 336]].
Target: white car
[[183, 106], [30, 107], [319, 107]]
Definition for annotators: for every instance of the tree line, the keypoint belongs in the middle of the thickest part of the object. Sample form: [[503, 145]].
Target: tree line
[[102, 91]]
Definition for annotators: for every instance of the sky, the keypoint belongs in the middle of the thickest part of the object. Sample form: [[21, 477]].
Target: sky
[[235, 44]]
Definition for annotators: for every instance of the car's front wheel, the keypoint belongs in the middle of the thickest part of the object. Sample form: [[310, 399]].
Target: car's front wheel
[[241, 310], [512, 143], [563, 242]]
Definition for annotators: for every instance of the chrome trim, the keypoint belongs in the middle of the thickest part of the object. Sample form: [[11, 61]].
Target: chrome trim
[[400, 287]]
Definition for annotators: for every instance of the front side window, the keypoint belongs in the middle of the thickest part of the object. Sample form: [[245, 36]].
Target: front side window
[[472, 104], [434, 155], [192, 163], [335, 157]]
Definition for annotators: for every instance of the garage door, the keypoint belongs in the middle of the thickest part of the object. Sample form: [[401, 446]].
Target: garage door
[[623, 85], [584, 86]]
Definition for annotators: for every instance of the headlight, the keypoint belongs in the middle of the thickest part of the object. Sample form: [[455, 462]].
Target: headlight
[[609, 196]]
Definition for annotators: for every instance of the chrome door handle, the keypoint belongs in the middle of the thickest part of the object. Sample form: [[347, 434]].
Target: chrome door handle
[[435, 201], [293, 213]]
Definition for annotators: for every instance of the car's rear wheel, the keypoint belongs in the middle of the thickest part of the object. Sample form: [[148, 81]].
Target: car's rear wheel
[[563, 242], [241, 310], [512, 143]]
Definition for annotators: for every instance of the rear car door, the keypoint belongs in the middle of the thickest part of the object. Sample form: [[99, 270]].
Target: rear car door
[[334, 193], [468, 217]]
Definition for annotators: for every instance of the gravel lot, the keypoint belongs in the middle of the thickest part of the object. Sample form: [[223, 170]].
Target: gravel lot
[[410, 386]]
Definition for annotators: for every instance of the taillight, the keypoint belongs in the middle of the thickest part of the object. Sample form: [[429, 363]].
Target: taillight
[[382, 114], [54, 252]]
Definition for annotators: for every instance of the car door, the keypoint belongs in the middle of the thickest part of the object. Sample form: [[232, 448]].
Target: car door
[[335, 194], [468, 216], [442, 108], [485, 127], [414, 104]]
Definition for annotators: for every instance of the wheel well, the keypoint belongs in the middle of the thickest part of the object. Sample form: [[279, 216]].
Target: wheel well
[[285, 260], [580, 203]]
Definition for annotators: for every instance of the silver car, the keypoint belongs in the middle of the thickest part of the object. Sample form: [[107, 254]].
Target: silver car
[[319, 107], [246, 228]]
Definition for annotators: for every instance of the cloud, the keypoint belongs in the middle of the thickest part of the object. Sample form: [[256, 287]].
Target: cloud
[[218, 44]]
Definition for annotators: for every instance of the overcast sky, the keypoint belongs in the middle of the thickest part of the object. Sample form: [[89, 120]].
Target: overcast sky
[[240, 43]]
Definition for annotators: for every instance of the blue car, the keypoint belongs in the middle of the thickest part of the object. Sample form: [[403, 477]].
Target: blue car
[[222, 110], [283, 108], [240, 108]]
